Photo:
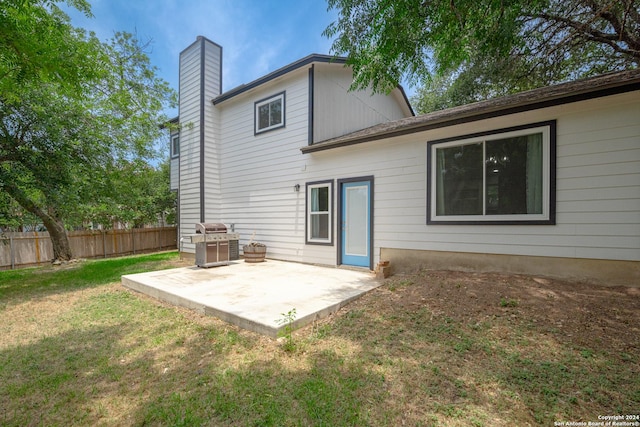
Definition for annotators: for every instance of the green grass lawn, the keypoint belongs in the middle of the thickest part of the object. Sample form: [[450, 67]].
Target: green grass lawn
[[77, 348]]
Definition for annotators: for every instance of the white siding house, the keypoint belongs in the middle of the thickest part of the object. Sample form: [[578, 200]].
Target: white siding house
[[544, 182]]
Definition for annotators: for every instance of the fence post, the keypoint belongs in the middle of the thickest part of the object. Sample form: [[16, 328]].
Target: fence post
[[37, 242], [133, 240], [12, 253]]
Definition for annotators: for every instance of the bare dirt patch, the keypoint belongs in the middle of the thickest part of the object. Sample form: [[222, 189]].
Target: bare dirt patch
[[460, 348], [584, 314]]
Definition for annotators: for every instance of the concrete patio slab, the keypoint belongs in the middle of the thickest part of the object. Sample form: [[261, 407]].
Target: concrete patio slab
[[255, 296]]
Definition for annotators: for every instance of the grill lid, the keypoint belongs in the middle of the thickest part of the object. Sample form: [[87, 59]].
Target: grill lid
[[210, 227]]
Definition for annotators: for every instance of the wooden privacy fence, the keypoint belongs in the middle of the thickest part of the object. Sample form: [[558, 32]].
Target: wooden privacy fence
[[32, 248]]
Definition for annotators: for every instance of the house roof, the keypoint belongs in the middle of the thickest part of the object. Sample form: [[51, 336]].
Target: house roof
[[168, 123], [313, 58], [578, 90]]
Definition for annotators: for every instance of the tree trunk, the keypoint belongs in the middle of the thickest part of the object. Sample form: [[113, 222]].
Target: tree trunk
[[59, 238], [54, 225]]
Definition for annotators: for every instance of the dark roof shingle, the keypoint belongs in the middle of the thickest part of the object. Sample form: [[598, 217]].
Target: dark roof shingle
[[603, 85]]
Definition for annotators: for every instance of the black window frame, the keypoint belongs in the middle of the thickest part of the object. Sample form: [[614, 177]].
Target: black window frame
[[266, 101], [175, 147], [548, 217]]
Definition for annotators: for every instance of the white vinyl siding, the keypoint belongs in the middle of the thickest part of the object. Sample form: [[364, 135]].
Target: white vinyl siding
[[598, 186], [259, 172], [174, 174], [598, 183], [189, 104], [189, 160], [212, 182], [251, 179], [338, 111]]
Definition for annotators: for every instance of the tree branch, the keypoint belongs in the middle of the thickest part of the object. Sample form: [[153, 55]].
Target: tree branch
[[593, 34], [620, 27]]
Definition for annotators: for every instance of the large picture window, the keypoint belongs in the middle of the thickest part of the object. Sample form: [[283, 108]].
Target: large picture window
[[269, 113], [502, 178], [319, 212]]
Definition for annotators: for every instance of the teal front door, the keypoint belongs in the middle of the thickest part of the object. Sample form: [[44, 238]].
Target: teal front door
[[355, 222]]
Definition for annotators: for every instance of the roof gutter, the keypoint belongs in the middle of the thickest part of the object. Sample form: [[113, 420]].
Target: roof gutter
[[277, 73], [605, 85]]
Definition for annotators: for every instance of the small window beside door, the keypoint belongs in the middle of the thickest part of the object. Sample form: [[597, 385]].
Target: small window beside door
[[319, 222]]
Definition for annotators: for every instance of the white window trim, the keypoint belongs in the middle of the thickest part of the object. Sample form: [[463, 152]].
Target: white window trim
[[256, 116], [546, 217], [316, 240]]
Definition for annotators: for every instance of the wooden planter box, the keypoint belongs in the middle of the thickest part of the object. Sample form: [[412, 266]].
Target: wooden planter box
[[254, 253]]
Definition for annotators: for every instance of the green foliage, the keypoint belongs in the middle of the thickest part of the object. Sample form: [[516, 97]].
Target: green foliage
[[13, 217], [37, 44], [132, 192], [78, 120], [29, 282], [470, 50], [508, 302], [479, 80], [287, 320], [396, 284]]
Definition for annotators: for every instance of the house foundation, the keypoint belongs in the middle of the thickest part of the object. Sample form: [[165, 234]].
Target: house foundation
[[597, 271]]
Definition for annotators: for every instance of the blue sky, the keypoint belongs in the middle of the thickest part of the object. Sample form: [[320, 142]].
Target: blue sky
[[257, 36]]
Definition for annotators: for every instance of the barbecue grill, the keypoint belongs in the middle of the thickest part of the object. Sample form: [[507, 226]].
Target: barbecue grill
[[214, 245]]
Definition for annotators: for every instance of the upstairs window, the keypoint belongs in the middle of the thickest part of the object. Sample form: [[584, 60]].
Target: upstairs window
[[506, 177], [175, 146], [269, 113], [319, 220]]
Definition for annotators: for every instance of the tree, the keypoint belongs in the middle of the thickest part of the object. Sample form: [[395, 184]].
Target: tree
[[466, 44], [13, 217], [42, 155], [132, 192], [37, 44], [71, 108]]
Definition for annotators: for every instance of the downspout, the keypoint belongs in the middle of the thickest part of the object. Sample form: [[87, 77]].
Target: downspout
[[311, 103]]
